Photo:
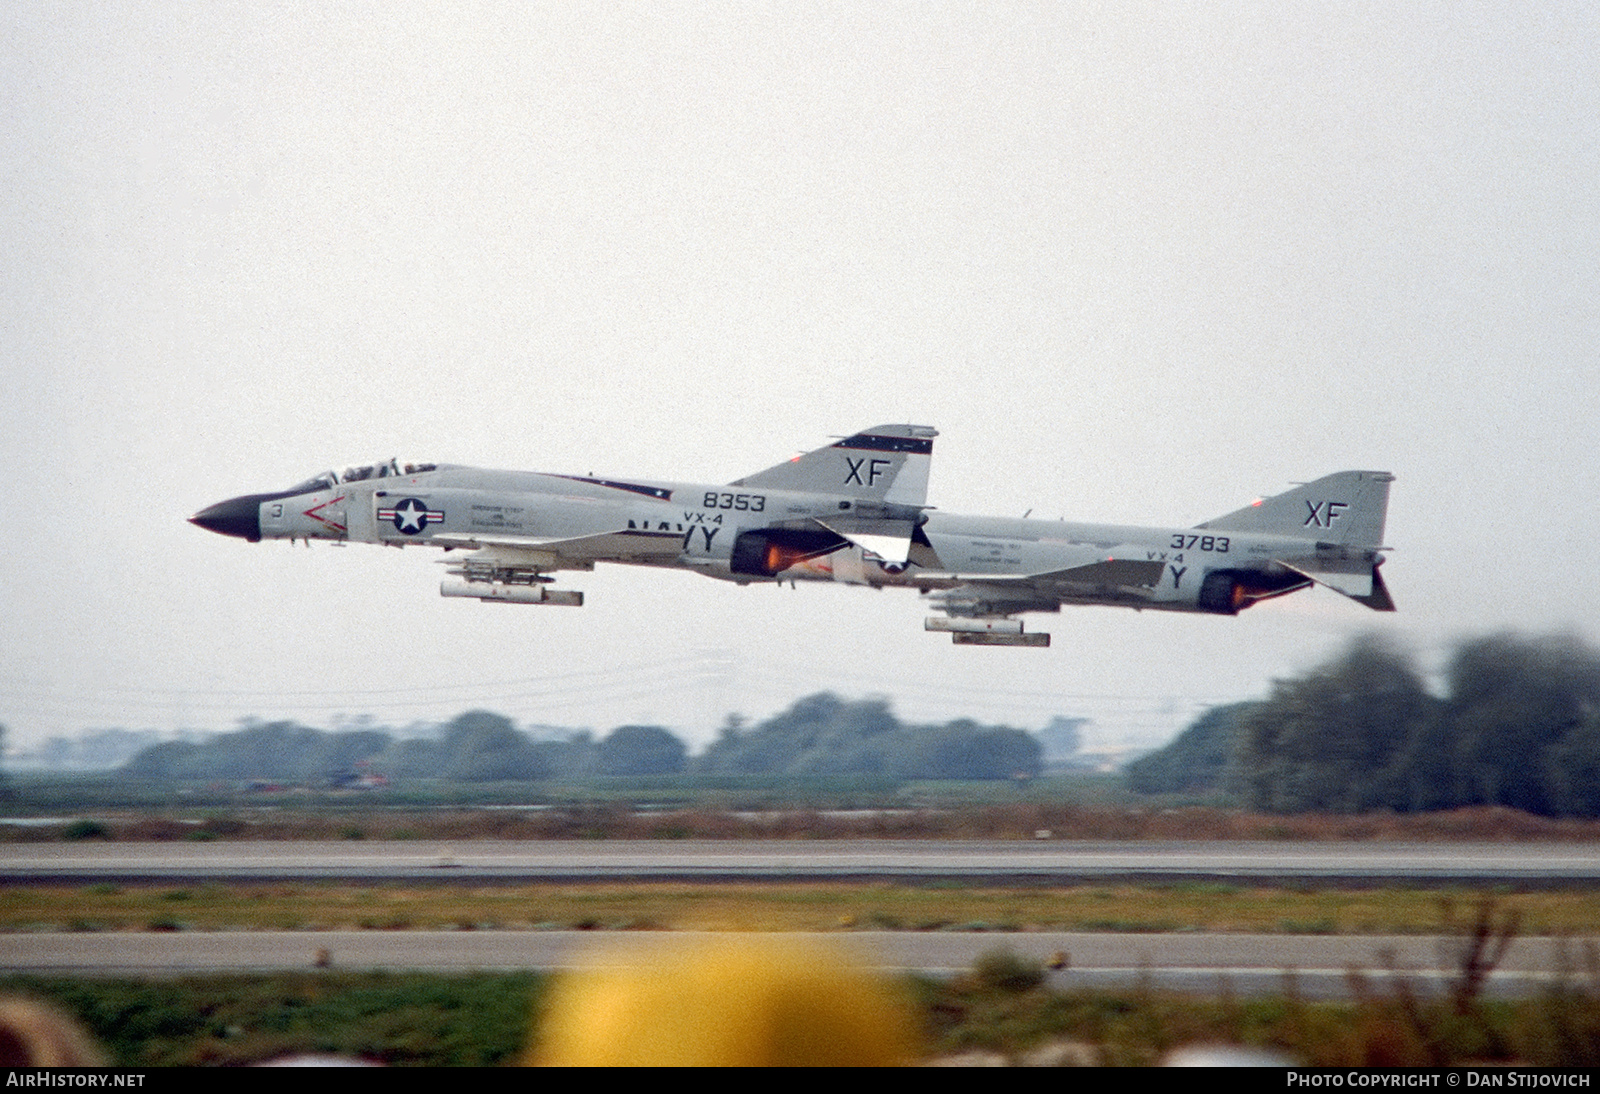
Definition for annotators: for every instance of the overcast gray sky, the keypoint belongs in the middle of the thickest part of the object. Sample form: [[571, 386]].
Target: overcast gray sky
[[1138, 263]]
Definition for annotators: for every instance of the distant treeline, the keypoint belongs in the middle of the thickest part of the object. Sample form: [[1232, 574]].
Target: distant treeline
[[1518, 726], [819, 735], [825, 735]]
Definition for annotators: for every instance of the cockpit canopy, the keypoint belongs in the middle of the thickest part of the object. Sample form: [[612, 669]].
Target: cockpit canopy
[[329, 479]]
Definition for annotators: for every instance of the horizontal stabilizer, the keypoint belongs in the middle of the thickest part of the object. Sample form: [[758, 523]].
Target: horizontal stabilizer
[[1379, 600], [890, 540], [1364, 585]]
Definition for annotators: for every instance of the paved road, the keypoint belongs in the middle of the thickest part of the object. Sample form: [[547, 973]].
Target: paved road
[[1244, 964], [1016, 861], [1248, 963]]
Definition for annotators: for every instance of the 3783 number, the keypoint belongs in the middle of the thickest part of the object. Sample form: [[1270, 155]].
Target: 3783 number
[[755, 503], [1181, 542]]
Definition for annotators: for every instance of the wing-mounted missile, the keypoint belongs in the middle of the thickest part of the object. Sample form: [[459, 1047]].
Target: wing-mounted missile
[[981, 614], [497, 580], [983, 606], [497, 592], [987, 631], [512, 569]]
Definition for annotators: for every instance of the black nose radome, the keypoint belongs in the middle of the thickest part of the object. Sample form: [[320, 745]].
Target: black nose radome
[[235, 517]]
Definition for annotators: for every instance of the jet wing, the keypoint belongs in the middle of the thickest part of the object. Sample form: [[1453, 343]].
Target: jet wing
[[985, 594], [619, 545], [1119, 572]]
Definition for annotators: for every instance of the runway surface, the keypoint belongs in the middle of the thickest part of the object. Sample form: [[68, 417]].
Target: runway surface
[[1317, 966], [993, 861], [1247, 964]]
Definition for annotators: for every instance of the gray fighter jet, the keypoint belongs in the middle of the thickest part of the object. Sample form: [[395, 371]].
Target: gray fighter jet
[[855, 512]]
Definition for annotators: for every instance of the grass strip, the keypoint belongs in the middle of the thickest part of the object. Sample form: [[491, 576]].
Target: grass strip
[[801, 907], [1001, 1009]]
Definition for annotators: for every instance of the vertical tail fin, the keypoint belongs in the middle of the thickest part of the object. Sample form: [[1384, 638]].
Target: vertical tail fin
[[887, 463], [1349, 507]]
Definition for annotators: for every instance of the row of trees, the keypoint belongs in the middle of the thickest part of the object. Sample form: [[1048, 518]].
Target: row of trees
[[819, 735], [825, 735], [1518, 725], [477, 746], [92, 750]]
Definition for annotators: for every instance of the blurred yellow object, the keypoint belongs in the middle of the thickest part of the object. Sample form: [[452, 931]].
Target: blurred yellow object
[[734, 1002], [35, 1034]]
